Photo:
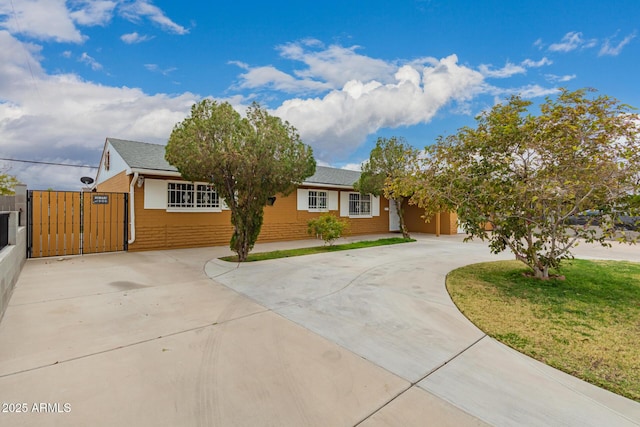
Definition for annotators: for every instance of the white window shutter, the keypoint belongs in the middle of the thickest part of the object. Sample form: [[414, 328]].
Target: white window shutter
[[155, 194], [375, 205], [332, 200], [344, 203], [303, 199]]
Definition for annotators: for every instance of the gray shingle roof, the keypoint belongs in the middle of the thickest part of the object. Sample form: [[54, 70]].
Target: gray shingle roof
[[143, 155], [333, 176]]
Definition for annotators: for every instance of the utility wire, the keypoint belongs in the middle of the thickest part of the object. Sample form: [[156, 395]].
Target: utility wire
[[26, 53], [49, 163]]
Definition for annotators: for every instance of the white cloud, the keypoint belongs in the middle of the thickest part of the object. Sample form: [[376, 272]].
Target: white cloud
[[17, 60], [341, 120], [358, 95], [92, 12], [511, 69], [527, 91], [86, 59], [61, 116], [529, 63], [590, 43], [353, 166], [272, 78], [572, 41], [43, 177], [58, 19], [240, 64], [42, 20], [534, 91], [143, 8], [559, 79], [507, 71], [336, 65], [154, 68], [614, 50], [326, 69], [133, 38]]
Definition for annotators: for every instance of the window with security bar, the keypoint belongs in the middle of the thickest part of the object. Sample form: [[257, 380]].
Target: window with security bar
[[359, 204], [185, 195], [207, 197], [317, 199]]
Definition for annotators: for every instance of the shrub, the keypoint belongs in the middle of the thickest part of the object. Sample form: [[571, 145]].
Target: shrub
[[327, 227]]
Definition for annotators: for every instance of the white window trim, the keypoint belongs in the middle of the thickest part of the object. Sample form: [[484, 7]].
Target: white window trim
[[303, 200], [359, 215], [374, 208], [326, 201], [192, 209]]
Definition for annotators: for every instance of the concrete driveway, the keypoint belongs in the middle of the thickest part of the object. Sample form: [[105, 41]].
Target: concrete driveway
[[367, 337]]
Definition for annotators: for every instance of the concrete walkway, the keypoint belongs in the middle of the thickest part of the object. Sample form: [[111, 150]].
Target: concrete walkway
[[367, 337]]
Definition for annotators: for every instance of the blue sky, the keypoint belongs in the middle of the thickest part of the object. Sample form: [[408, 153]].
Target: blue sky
[[343, 73]]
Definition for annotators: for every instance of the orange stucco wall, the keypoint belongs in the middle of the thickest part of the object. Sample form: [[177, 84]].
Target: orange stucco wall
[[413, 216], [283, 221], [116, 184], [159, 229]]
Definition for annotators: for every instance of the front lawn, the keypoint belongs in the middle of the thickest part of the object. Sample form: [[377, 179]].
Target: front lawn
[[587, 325], [261, 256]]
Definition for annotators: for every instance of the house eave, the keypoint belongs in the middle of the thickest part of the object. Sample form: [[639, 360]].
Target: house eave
[[155, 172], [320, 185], [176, 174]]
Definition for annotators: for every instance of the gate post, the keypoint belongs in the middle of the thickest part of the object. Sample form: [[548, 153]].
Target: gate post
[[29, 222], [82, 224]]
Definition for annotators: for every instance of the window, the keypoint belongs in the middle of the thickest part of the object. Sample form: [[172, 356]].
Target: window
[[317, 199], [185, 195], [356, 205], [359, 204], [207, 197]]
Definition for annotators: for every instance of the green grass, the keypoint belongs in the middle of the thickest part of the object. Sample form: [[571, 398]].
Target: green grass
[[261, 256], [587, 325]]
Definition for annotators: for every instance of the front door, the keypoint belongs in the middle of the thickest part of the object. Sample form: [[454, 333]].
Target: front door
[[394, 219]]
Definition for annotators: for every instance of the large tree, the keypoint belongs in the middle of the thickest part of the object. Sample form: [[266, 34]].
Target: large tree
[[391, 161], [247, 160], [7, 184], [526, 177]]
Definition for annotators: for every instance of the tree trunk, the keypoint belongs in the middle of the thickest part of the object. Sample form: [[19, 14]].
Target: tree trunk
[[247, 222], [239, 243], [541, 272], [403, 226]]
